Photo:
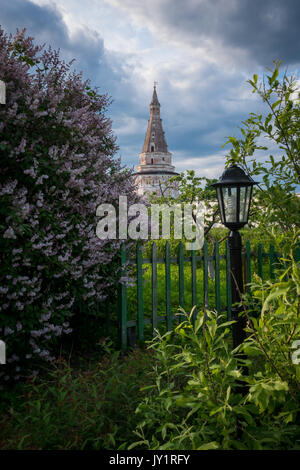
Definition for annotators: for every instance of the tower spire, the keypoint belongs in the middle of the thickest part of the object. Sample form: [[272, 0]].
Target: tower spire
[[155, 137], [155, 166]]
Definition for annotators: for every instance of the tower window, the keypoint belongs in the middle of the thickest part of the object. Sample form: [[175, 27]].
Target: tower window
[[151, 161], [152, 148]]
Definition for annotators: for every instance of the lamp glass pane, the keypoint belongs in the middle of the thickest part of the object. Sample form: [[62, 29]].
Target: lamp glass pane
[[248, 201], [243, 203], [230, 200], [219, 195]]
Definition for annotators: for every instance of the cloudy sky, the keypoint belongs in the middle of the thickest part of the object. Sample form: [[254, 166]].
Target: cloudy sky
[[201, 53]]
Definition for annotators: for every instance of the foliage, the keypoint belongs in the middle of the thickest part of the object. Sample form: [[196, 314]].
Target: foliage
[[90, 407], [58, 164], [206, 396], [275, 204], [192, 190], [274, 334], [192, 398], [220, 234]]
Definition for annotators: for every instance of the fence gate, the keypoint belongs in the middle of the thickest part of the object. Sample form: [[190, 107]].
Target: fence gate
[[201, 291]]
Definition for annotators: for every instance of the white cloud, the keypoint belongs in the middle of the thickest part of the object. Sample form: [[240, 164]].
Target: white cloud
[[125, 125], [201, 54], [211, 166]]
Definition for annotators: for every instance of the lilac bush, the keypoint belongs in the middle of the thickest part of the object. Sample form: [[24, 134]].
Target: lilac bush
[[58, 163]]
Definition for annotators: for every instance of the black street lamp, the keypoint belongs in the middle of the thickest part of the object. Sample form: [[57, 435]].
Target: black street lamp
[[234, 191]]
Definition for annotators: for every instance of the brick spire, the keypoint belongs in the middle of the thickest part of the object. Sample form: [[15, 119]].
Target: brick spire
[[155, 137], [155, 166]]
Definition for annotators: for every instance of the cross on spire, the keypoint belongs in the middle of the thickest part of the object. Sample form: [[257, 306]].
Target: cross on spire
[[154, 101]]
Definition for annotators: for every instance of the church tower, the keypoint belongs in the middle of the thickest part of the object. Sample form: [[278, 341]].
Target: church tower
[[155, 166]]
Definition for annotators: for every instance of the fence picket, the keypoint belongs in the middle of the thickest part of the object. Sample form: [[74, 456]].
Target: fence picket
[[168, 286], [194, 283], [181, 278], [140, 306], [217, 277], [205, 275], [154, 287]]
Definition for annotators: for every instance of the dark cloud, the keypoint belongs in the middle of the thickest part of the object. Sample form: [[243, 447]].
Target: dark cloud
[[264, 29], [45, 22], [46, 25], [198, 117], [106, 71], [268, 30]]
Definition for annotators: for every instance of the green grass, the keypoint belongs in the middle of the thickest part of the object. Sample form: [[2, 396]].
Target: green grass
[[86, 407], [188, 304], [161, 292]]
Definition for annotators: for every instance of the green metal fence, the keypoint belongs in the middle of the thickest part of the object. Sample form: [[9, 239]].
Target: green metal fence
[[262, 262]]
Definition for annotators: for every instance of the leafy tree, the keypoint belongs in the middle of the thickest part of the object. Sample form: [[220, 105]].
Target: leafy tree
[[275, 205], [193, 190], [275, 208], [58, 164]]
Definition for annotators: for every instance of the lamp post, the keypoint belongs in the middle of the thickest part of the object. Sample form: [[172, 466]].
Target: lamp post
[[234, 191]]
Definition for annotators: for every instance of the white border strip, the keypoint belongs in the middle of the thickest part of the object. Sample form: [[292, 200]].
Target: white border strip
[[2, 92]]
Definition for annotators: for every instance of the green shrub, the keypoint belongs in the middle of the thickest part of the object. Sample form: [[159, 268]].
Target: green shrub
[[58, 164], [90, 407], [201, 396]]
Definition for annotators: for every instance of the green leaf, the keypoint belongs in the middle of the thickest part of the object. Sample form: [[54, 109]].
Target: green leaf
[[199, 321], [273, 295], [275, 75], [209, 446], [135, 444], [227, 323], [274, 105]]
